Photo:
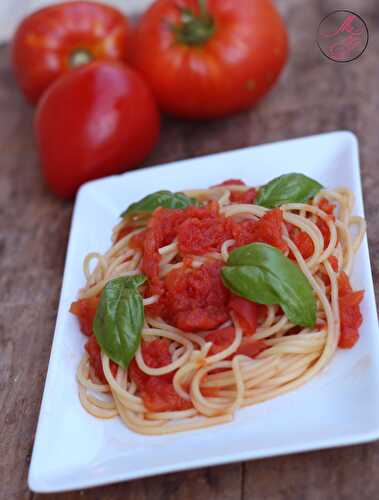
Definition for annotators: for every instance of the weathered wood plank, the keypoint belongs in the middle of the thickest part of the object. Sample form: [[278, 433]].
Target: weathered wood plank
[[314, 95]]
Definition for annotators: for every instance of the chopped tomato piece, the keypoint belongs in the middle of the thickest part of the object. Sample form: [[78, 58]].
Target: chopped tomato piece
[[137, 241], [123, 232], [157, 392], [94, 353], [231, 182], [85, 310], [195, 298], [247, 313], [350, 314], [247, 196], [303, 242], [162, 230], [267, 230], [155, 354], [199, 236], [222, 338], [160, 396], [328, 208], [323, 227], [334, 263], [251, 347]]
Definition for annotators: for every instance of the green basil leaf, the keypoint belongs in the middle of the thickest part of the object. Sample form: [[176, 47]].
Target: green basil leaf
[[165, 199], [239, 279], [289, 188], [261, 273], [134, 281], [119, 319]]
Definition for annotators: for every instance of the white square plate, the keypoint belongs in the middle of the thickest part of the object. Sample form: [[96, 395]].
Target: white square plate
[[340, 406]]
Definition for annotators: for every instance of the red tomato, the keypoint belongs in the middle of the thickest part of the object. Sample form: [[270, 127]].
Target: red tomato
[[98, 120], [205, 62], [85, 310], [247, 313], [54, 40]]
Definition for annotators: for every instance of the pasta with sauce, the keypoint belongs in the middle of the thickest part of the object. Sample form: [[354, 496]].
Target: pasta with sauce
[[244, 295]]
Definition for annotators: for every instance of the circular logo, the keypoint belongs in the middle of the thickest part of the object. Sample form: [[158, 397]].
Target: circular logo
[[342, 36]]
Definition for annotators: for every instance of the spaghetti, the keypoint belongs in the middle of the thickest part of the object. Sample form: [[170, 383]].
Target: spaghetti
[[204, 351]]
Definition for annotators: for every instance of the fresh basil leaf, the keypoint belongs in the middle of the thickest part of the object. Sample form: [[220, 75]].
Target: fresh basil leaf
[[134, 281], [261, 273], [239, 279], [289, 188], [119, 319], [165, 199]]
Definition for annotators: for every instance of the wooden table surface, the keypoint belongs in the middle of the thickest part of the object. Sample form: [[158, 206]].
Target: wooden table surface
[[314, 95]]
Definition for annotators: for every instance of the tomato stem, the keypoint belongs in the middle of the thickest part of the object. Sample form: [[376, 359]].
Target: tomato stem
[[203, 8], [195, 29], [78, 57]]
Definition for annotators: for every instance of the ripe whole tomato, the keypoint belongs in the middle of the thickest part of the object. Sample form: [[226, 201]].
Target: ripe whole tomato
[[56, 39], [209, 59], [99, 119]]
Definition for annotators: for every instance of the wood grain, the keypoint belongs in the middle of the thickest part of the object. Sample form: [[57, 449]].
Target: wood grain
[[314, 95]]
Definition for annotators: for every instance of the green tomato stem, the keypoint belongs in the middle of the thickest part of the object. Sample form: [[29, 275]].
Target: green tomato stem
[[195, 29]]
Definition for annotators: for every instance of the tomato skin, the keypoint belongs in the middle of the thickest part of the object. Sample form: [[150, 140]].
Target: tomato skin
[[45, 42], [227, 73], [112, 121]]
